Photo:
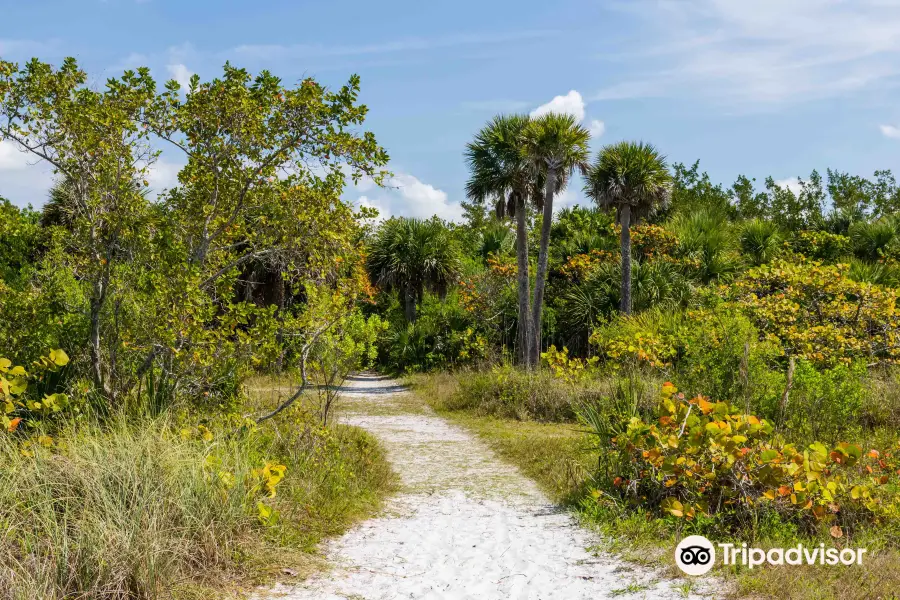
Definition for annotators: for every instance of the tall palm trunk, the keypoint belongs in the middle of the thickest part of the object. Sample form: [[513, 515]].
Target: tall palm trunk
[[541, 275], [409, 308], [524, 324], [625, 218]]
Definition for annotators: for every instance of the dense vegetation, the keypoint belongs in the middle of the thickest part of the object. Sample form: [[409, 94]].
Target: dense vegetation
[[732, 350], [139, 459]]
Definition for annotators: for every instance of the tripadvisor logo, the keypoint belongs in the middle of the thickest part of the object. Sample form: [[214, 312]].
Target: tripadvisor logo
[[695, 555]]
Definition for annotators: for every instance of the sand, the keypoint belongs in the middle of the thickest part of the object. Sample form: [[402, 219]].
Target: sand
[[465, 524]]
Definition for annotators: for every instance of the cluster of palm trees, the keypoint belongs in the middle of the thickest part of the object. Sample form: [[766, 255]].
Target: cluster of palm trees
[[517, 161]]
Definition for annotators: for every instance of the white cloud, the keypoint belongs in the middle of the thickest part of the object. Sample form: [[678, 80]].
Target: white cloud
[[890, 131], [792, 183], [181, 74], [761, 53], [570, 104], [163, 175], [23, 178], [406, 196], [598, 128]]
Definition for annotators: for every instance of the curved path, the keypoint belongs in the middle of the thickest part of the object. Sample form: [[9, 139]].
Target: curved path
[[465, 525]]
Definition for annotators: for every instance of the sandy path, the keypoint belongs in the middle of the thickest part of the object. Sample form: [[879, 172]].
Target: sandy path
[[465, 525]]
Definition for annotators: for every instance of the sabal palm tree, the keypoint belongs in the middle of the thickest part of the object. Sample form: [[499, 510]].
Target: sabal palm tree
[[633, 179], [556, 145], [410, 256], [760, 241], [502, 174]]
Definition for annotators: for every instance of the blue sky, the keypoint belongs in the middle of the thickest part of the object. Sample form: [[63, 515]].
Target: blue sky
[[768, 87]]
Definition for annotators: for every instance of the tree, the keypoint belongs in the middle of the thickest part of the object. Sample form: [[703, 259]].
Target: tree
[[749, 203], [500, 172], [555, 145], [632, 179], [266, 166], [92, 140], [800, 210], [410, 256], [261, 189]]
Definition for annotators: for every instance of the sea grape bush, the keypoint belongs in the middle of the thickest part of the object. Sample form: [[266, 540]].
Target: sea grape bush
[[820, 245], [696, 458], [819, 314], [570, 369], [22, 403], [652, 241]]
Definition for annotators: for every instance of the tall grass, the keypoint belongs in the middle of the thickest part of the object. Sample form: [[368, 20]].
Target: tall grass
[[512, 393], [124, 512], [133, 510]]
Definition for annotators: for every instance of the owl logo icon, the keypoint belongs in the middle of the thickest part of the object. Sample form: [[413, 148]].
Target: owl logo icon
[[695, 555]]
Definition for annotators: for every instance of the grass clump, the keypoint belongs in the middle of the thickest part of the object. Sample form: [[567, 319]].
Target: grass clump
[[515, 394], [154, 508]]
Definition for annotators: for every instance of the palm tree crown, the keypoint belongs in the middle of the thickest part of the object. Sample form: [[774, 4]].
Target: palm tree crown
[[633, 174], [498, 164], [556, 142], [412, 255]]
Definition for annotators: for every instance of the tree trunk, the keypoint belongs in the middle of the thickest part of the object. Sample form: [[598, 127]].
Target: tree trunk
[[541, 276], [409, 299], [523, 328], [280, 294], [98, 299], [625, 301]]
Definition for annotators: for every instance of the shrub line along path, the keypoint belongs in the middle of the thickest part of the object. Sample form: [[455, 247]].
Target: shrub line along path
[[464, 525]]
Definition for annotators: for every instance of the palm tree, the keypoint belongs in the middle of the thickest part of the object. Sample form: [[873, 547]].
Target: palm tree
[[60, 206], [708, 238], [634, 179], [870, 239], [410, 256], [760, 241], [556, 145], [501, 173]]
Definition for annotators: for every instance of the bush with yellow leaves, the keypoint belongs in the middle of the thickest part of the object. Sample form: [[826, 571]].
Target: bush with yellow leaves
[[23, 393], [817, 313], [697, 459]]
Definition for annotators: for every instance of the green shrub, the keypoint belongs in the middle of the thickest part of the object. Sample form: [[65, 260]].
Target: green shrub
[[706, 241], [714, 465], [443, 336], [825, 404], [871, 239], [816, 312], [878, 273], [713, 350], [821, 245]]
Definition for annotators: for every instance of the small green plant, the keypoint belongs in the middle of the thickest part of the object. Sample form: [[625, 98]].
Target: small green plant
[[21, 398], [571, 370]]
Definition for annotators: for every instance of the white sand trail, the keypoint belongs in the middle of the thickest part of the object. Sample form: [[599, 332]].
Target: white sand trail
[[465, 525]]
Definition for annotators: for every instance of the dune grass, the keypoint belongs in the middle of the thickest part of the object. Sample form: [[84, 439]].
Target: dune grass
[[148, 508]]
